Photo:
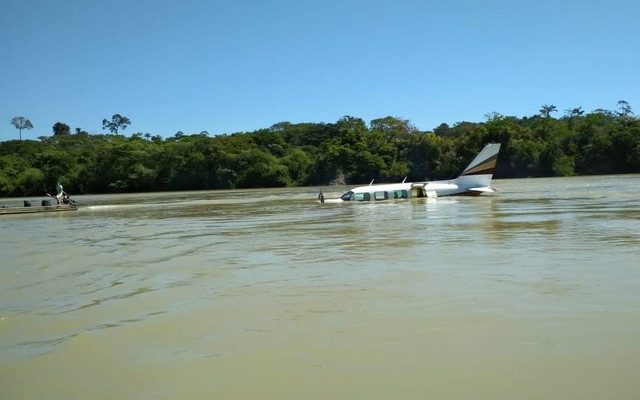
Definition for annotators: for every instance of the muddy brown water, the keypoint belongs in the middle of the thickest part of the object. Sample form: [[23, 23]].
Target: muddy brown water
[[528, 294]]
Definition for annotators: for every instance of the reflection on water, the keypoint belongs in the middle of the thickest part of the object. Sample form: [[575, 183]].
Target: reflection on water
[[238, 294]]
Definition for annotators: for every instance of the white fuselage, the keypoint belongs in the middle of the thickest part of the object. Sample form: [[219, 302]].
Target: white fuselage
[[408, 190], [474, 180]]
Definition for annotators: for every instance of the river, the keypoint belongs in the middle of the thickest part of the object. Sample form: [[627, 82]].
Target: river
[[532, 293]]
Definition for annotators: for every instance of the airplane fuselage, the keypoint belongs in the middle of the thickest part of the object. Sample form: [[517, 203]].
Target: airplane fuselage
[[474, 180], [406, 190]]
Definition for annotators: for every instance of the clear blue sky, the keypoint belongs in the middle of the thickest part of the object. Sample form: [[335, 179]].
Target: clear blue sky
[[238, 65]]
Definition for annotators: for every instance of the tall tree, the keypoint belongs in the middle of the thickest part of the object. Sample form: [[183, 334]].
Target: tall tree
[[574, 112], [21, 123], [60, 128], [625, 108], [493, 116], [546, 110], [442, 130], [117, 122]]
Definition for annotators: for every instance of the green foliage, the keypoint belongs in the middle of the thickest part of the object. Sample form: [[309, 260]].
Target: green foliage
[[563, 165], [11, 166], [116, 123], [30, 180], [546, 110], [392, 126], [298, 163], [21, 123], [260, 169], [347, 151], [60, 128]]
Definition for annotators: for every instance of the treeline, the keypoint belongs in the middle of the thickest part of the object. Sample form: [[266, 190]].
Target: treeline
[[347, 151]]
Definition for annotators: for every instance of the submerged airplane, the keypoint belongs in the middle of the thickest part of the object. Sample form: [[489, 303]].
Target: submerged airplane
[[474, 180]]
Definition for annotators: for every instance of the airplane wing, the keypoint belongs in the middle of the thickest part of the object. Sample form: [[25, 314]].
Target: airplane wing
[[481, 190]]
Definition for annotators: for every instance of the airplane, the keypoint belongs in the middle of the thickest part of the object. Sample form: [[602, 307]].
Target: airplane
[[474, 180]]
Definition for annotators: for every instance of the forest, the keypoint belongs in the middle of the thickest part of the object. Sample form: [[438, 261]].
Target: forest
[[349, 151]]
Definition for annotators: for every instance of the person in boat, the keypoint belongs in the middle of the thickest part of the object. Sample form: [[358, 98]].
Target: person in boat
[[61, 196]]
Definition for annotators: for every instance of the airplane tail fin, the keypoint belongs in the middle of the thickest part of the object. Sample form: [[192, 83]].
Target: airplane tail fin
[[479, 172]]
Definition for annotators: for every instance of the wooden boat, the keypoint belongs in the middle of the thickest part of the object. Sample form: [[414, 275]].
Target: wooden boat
[[45, 207]]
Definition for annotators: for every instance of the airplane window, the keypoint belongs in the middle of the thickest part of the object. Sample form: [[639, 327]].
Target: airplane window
[[347, 196], [400, 194], [362, 197], [381, 195]]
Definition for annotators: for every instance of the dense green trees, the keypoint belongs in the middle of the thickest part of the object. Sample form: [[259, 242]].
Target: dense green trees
[[349, 150]]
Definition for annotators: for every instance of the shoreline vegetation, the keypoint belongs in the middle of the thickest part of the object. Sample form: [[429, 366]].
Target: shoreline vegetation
[[349, 151]]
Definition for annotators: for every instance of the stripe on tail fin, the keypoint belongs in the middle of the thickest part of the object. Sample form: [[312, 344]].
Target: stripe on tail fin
[[485, 162]]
